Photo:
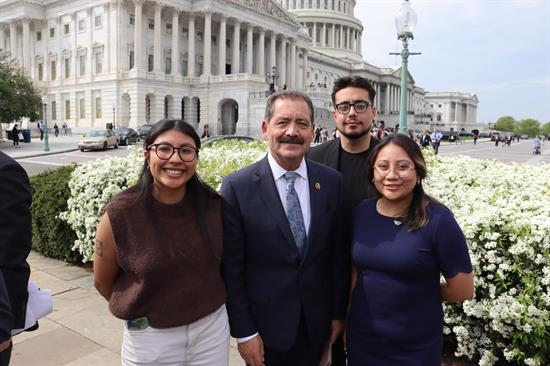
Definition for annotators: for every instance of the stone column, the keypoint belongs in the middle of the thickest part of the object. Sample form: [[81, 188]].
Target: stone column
[[348, 39], [314, 35], [456, 112], [60, 65], [333, 36], [387, 99], [207, 41], [378, 96], [222, 46], [13, 41], [359, 43], [157, 39], [261, 48], [235, 61], [138, 46], [342, 37], [293, 64], [89, 54], [2, 38], [324, 35], [283, 61], [191, 47], [304, 77], [108, 9], [175, 42], [75, 69], [26, 44], [272, 61], [249, 48], [46, 61]]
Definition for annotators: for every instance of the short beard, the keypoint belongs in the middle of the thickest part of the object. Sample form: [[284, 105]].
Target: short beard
[[354, 135]]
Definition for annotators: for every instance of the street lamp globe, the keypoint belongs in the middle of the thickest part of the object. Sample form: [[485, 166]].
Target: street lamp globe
[[405, 21]]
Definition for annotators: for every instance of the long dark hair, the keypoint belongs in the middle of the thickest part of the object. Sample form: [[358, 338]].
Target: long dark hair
[[199, 192], [417, 215]]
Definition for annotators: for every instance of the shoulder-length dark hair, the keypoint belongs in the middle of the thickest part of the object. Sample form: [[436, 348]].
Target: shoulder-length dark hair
[[417, 215], [199, 192]]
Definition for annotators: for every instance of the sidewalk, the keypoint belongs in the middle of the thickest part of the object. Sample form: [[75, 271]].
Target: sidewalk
[[81, 331], [36, 147]]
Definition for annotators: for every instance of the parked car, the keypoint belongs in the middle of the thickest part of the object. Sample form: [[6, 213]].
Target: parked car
[[126, 136], [98, 139], [144, 130], [524, 136], [211, 141]]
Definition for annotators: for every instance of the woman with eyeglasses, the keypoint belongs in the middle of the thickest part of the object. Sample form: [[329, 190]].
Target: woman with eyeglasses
[[403, 240], [157, 257]]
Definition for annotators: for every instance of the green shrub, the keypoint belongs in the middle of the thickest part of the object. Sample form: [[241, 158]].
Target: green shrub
[[52, 236]]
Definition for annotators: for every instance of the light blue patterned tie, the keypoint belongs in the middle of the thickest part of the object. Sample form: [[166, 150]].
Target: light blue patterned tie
[[294, 213]]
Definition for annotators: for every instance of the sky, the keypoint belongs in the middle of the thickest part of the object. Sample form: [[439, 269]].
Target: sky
[[497, 49]]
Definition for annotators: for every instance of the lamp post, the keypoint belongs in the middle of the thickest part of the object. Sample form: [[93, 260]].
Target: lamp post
[[271, 77], [405, 22], [113, 117], [45, 115]]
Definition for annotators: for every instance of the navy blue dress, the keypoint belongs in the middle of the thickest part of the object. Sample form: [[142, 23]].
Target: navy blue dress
[[396, 314]]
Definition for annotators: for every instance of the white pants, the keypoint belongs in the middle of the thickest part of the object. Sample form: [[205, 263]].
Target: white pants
[[202, 343]]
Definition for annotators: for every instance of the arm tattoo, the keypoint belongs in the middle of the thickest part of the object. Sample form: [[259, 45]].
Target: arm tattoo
[[99, 247]]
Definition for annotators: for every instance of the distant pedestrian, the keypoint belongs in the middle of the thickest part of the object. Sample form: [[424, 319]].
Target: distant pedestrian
[[56, 130], [317, 135], [324, 134], [205, 131], [425, 139], [64, 129], [15, 131], [436, 137], [40, 126], [475, 139]]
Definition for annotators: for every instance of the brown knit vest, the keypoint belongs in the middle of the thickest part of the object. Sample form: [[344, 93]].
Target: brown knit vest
[[169, 273]]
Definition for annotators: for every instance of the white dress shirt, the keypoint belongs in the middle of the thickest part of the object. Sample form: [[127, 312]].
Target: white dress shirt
[[302, 189]]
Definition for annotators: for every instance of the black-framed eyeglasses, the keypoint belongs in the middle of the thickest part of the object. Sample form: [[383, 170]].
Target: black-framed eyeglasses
[[165, 151], [360, 106]]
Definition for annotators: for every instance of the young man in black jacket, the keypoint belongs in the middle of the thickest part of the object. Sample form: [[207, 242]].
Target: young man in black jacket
[[354, 112]]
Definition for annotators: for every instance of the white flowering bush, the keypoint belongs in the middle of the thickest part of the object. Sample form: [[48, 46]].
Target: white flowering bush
[[225, 157], [503, 209], [92, 185]]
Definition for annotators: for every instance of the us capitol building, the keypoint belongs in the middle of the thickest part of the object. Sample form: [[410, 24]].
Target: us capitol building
[[206, 61]]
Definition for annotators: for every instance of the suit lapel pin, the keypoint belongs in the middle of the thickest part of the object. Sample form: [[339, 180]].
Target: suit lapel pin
[[318, 186]]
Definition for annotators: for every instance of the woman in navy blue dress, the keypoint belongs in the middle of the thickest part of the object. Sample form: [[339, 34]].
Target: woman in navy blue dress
[[403, 241]]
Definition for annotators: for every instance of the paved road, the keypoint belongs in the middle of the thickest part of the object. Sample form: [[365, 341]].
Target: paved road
[[38, 164], [63, 150], [520, 152]]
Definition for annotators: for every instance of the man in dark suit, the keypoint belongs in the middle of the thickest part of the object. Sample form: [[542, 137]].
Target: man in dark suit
[[354, 112], [15, 245], [285, 268]]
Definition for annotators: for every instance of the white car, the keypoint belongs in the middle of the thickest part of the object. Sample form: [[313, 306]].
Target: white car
[[98, 139]]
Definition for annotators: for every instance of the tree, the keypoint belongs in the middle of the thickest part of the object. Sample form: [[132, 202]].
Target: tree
[[529, 126], [506, 123], [18, 96], [546, 128]]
